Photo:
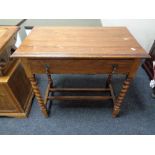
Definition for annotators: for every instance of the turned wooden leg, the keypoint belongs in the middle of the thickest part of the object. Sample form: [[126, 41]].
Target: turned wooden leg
[[120, 98], [38, 96]]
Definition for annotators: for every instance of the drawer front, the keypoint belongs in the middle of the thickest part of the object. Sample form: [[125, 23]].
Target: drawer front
[[67, 66]]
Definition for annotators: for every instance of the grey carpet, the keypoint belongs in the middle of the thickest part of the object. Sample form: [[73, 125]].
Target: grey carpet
[[137, 115]]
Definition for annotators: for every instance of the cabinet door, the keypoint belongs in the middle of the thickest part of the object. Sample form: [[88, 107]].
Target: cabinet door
[[6, 101]]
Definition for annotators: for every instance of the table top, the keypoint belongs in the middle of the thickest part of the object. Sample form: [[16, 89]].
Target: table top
[[6, 32], [80, 42]]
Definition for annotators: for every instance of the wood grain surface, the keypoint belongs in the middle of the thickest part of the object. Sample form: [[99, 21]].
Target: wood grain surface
[[6, 33], [80, 42]]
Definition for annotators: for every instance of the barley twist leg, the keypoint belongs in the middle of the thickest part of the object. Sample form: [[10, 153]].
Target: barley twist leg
[[120, 98], [38, 96]]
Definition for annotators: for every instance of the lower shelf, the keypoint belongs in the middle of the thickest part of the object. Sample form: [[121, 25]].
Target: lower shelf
[[51, 90]]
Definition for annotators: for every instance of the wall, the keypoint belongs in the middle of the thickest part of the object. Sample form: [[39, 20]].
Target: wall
[[142, 29]]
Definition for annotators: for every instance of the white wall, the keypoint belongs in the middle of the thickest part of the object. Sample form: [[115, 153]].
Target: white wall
[[18, 42], [142, 29]]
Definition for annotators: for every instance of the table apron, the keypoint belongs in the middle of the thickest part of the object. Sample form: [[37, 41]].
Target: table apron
[[58, 66], [67, 66]]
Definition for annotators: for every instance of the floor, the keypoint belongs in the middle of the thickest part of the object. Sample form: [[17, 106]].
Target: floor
[[89, 118]]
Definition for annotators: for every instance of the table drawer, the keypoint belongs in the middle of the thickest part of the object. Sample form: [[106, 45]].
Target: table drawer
[[67, 66]]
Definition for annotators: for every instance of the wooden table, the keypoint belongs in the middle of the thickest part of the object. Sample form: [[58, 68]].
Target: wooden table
[[80, 50]]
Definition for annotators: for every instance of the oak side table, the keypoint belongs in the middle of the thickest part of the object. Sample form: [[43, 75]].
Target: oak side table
[[15, 88], [80, 50]]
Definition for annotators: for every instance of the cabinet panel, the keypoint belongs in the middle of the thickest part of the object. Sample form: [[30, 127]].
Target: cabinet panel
[[6, 102], [20, 85]]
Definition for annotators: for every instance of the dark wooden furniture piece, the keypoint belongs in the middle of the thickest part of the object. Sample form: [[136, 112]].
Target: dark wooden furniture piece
[[80, 50], [15, 89], [148, 63]]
